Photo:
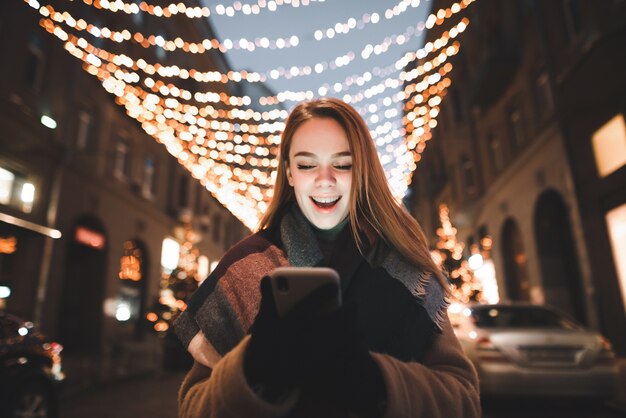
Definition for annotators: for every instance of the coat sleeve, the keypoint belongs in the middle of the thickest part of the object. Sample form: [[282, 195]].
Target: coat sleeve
[[224, 393], [444, 385]]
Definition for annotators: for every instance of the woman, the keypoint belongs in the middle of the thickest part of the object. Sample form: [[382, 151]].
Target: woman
[[388, 351]]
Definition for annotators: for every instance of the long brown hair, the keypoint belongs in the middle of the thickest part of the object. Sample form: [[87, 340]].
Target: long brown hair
[[371, 200]]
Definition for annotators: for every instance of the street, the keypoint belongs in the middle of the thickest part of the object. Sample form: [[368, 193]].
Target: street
[[148, 396], [155, 397], [513, 407]]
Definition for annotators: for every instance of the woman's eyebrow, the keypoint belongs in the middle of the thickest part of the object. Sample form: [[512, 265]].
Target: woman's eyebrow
[[310, 154]]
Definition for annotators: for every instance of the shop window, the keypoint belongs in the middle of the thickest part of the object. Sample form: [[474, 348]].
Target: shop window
[[616, 221], [170, 253], [17, 191], [130, 263], [6, 186], [609, 146], [27, 197], [131, 273]]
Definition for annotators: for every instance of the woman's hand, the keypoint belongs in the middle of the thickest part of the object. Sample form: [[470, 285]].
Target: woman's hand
[[277, 356], [202, 351], [343, 369]]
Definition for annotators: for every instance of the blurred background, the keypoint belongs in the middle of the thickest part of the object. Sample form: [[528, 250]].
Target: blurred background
[[138, 144]]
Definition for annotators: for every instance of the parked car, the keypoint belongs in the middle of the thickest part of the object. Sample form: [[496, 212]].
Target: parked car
[[524, 349], [30, 371]]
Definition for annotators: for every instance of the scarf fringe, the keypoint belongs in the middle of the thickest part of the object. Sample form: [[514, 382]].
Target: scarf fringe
[[422, 285]]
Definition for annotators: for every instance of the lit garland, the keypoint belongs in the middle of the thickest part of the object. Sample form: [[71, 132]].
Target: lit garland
[[263, 43], [467, 287], [236, 160], [295, 71], [130, 263], [212, 97], [195, 12], [398, 177], [8, 245]]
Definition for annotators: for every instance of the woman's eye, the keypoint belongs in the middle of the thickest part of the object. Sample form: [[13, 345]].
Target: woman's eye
[[344, 167], [305, 166]]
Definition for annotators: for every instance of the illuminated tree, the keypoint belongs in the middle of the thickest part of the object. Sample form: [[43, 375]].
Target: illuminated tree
[[449, 254], [177, 285]]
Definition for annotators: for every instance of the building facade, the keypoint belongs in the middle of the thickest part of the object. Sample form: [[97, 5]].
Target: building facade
[[83, 190], [535, 108]]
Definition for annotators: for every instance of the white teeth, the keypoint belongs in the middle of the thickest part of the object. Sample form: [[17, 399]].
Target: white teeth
[[325, 199]]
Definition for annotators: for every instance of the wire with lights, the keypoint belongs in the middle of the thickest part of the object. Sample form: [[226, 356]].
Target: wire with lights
[[208, 148], [173, 9]]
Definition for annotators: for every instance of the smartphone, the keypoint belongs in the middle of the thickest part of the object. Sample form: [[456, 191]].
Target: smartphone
[[291, 284]]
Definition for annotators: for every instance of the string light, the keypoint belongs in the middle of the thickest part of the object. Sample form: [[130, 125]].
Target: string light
[[225, 126], [466, 286], [195, 12], [232, 150], [330, 32], [207, 44], [212, 97]]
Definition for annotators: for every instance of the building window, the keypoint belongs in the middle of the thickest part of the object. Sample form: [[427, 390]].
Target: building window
[[199, 192], [496, 153], [609, 146], [6, 186], [84, 130], [216, 228], [457, 107], [467, 173], [516, 128], [16, 191], [573, 18], [183, 192], [543, 97], [616, 221], [148, 187], [34, 65], [121, 167], [170, 254], [27, 196], [130, 263]]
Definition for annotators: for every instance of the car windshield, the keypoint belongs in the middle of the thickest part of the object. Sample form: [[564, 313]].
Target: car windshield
[[520, 317]]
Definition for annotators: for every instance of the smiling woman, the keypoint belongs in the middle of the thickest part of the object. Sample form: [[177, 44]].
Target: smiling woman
[[389, 350], [319, 169]]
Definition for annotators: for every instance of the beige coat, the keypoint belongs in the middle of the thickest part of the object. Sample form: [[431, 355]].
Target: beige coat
[[445, 385]]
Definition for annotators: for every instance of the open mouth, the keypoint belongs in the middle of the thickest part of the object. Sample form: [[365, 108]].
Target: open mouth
[[325, 202]]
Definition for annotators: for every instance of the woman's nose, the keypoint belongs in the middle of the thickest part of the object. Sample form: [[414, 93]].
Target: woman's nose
[[325, 177]]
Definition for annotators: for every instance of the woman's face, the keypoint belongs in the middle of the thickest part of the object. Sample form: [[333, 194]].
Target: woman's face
[[320, 171]]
